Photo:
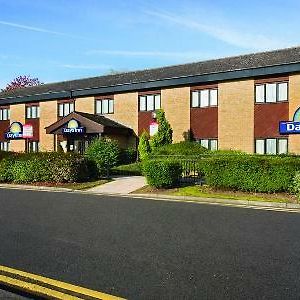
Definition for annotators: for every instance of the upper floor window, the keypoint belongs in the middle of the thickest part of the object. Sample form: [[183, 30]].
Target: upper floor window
[[104, 106], [65, 108], [149, 102], [32, 112], [205, 98], [271, 146], [271, 92], [4, 114]]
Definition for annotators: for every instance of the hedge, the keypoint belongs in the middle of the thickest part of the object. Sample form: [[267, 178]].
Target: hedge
[[181, 149], [162, 173], [251, 173], [45, 167]]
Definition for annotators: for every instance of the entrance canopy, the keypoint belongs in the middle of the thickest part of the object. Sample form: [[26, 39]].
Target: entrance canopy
[[89, 124]]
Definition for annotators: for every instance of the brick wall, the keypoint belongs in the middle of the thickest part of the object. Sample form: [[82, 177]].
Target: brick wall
[[86, 105], [236, 115], [48, 115], [126, 110], [176, 104], [294, 104], [17, 114]]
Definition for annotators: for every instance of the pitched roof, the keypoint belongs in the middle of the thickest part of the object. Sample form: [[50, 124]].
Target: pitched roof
[[281, 57], [93, 124]]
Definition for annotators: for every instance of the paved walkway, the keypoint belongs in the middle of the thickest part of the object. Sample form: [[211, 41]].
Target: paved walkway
[[120, 185]]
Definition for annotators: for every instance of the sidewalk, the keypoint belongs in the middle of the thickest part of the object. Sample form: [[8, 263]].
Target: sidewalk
[[120, 185]]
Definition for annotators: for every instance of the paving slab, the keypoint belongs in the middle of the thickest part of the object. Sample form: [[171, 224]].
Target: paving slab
[[120, 185]]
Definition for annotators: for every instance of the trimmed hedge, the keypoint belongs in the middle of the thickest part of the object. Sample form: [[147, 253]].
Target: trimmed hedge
[[182, 148], [134, 169], [162, 173], [46, 167], [251, 173]]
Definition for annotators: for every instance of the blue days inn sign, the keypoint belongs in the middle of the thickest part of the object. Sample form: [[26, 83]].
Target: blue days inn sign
[[291, 127]]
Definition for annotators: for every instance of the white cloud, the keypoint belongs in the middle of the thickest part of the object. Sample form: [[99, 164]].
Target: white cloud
[[226, 34], [85, 67], [37, 29], [184, 55]]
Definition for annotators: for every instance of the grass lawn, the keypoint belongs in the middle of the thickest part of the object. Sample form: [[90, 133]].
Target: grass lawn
[[81, 186], [207, 192]]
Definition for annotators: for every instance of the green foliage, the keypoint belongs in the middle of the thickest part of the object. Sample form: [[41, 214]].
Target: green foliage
[[296, 184], [144, 146], [131, 169], [45, 167], [104, 153], [250, 172], [127, 156], [165, 132], [162, 173], [182, 148]]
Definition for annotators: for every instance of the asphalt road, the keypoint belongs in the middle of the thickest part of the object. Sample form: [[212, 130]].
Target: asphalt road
[[143, 249]]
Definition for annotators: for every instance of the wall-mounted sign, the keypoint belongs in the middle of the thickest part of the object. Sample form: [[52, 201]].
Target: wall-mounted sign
[[72, 127], [291, 127], [15, 131], [27, 131], [153, 128]]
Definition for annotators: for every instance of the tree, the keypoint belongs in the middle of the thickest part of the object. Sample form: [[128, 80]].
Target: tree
[[164, 134], [144, 146], [21, 82]]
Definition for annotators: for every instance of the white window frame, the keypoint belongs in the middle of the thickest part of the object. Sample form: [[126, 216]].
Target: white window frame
[[204, 98], [32, 112], [262, 91], [278, 142], [4, 114], [65, 108], [151, 102], [104, 106], [207, 143], [4, 146]]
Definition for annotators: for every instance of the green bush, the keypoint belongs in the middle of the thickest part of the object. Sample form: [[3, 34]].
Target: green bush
[[45, 167], [131, 169], [164, 134], [181, 149], [296, 184], [252, 173], [105, 154], [162, 173], [144, 148], [127, 156]]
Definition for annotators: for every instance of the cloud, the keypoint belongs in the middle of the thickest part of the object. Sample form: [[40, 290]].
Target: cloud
[[85, 67], [226, 34], [36, 29], [185, 55]]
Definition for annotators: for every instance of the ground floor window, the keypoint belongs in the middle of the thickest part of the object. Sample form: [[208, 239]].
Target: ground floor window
[[4, 146], [211, 144], [271, 146], [33, 146]]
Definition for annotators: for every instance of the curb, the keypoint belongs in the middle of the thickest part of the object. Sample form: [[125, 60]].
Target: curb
[[241, 203], [248, 203], [47, 288]]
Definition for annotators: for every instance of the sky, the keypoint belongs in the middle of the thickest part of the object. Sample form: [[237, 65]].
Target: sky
[[57, 40]]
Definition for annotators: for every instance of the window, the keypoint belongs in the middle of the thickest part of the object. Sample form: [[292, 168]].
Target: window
[[33, 146], [271, 146], [4, 146], [4, 114], [149, 102], [32, 112], [271, 92], [211, 144], [204, 98], [65, 108], [105, 106]]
